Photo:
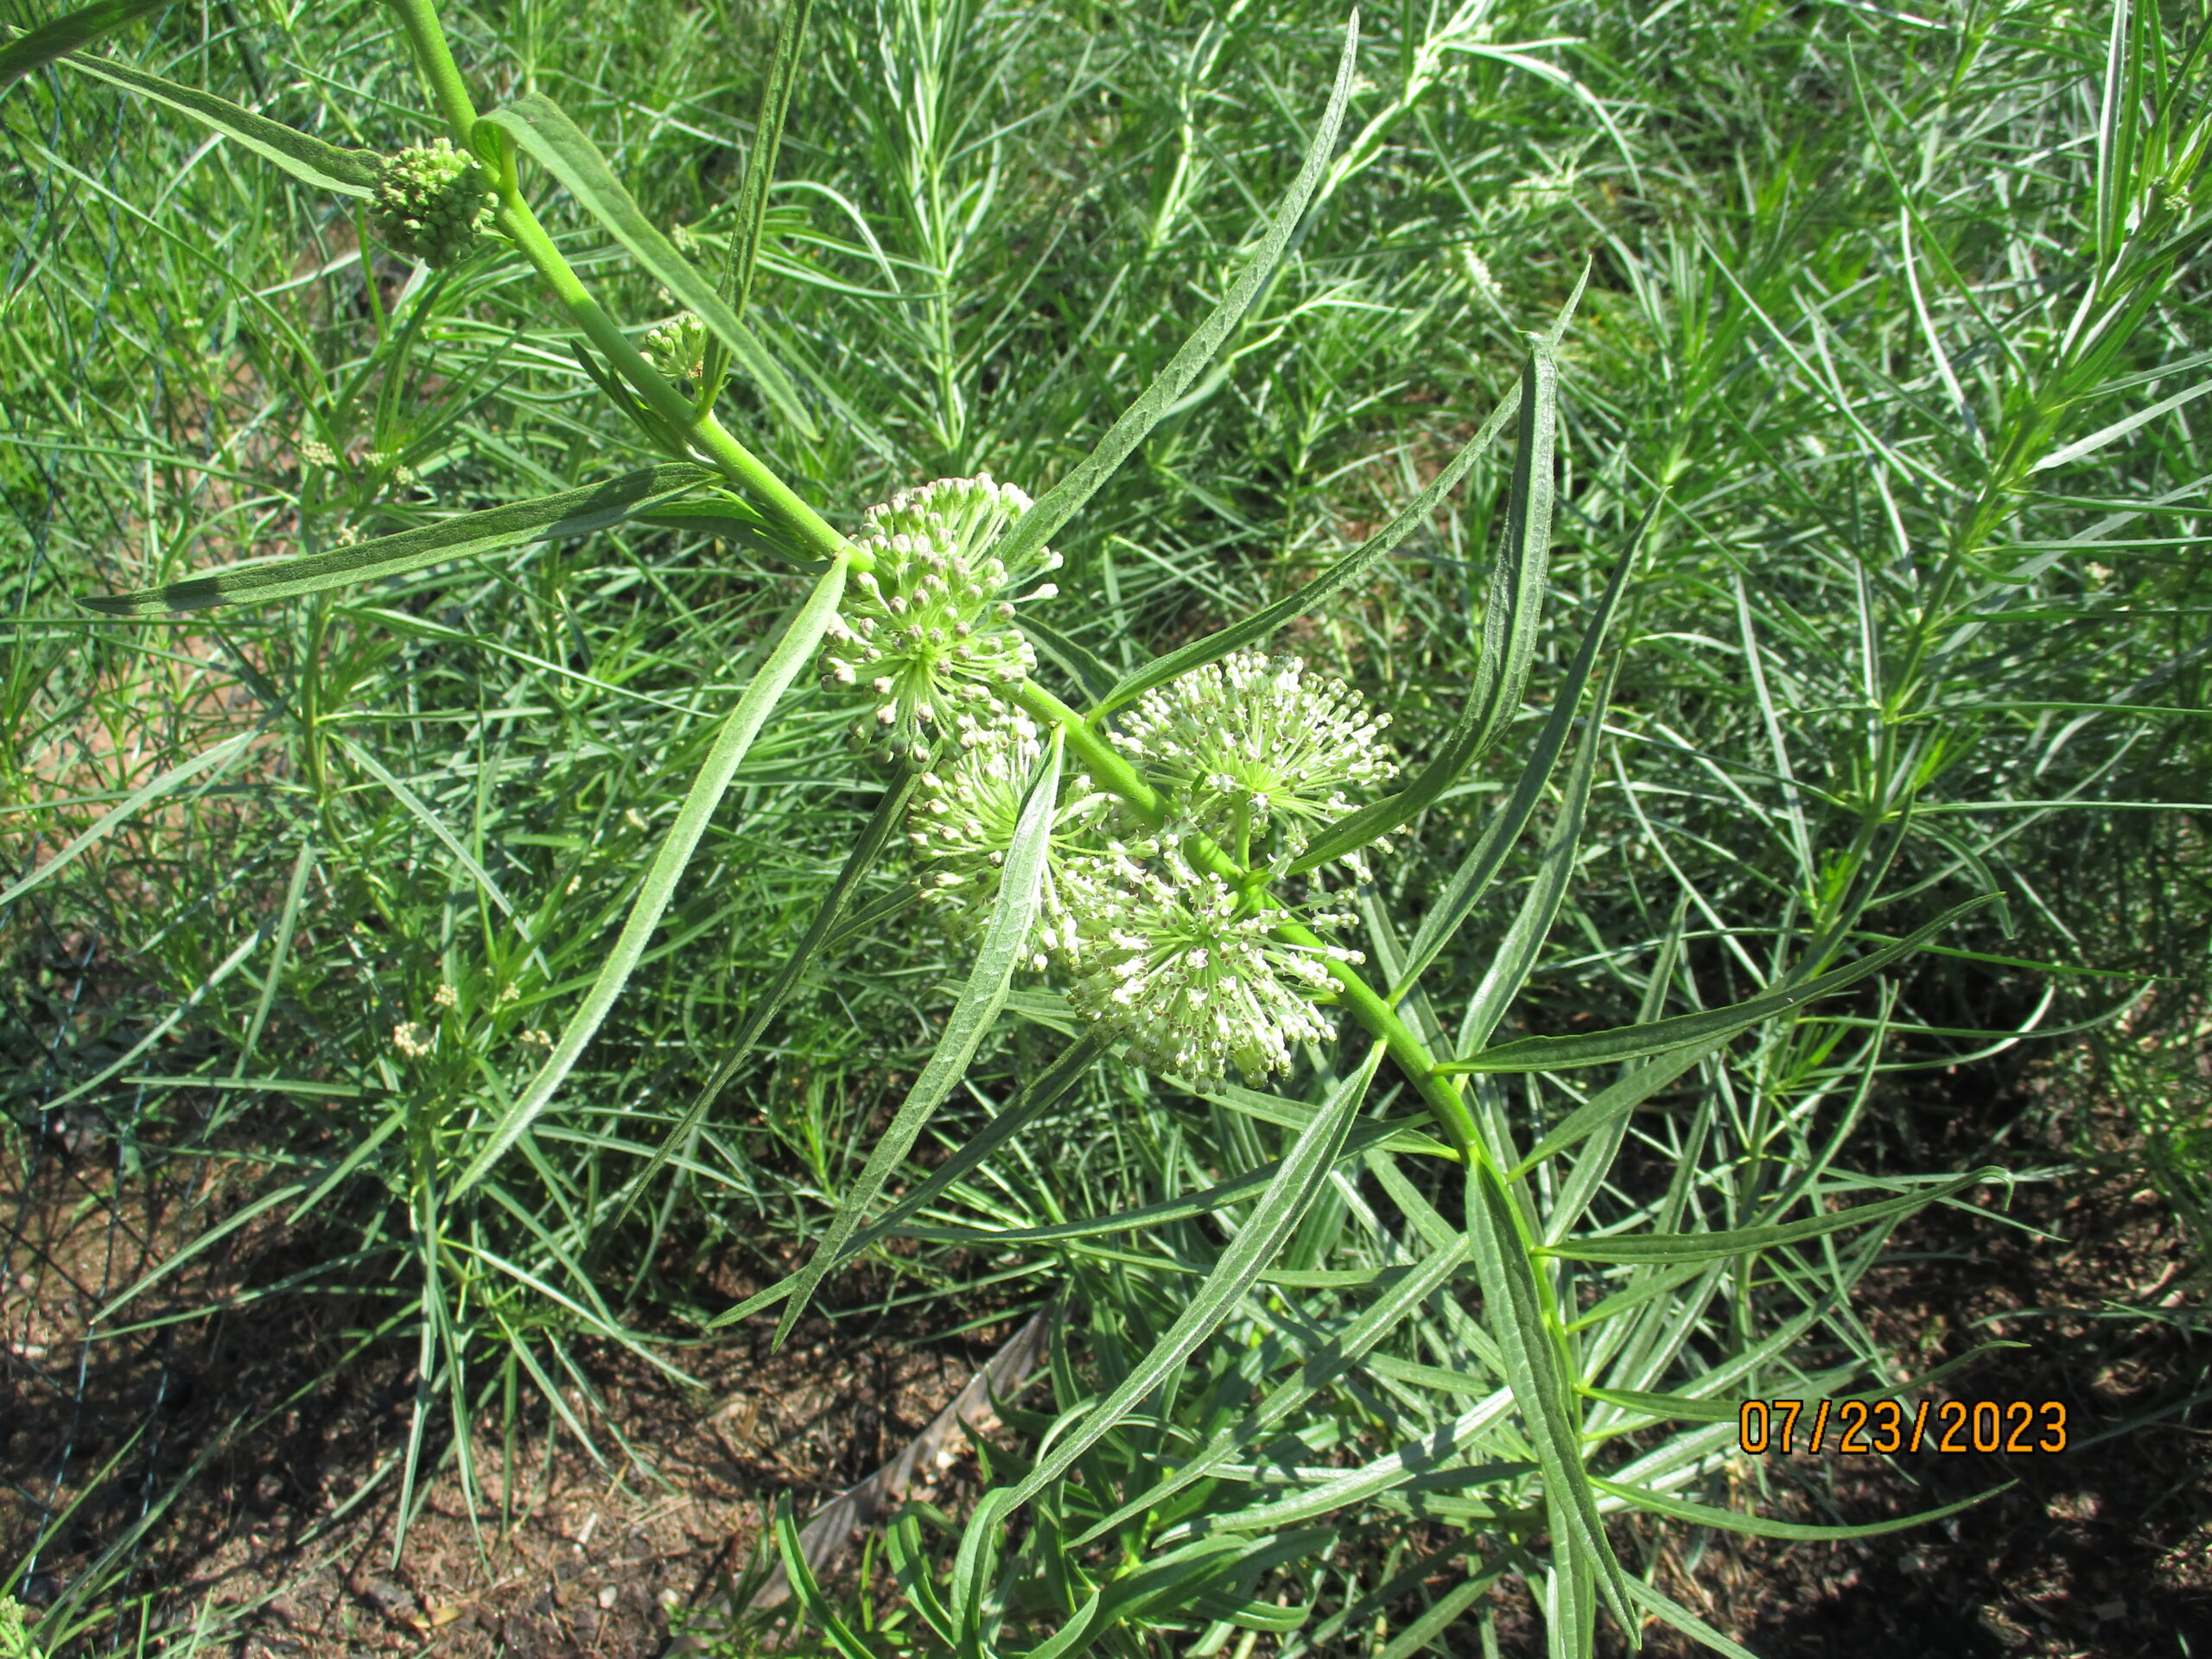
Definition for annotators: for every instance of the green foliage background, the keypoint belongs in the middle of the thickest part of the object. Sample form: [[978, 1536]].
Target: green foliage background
[[1834, 256]]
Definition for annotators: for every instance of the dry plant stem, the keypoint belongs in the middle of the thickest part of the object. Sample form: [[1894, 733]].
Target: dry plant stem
[[516, 219]]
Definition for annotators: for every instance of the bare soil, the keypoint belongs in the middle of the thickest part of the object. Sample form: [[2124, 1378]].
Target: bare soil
[[278, 1433]]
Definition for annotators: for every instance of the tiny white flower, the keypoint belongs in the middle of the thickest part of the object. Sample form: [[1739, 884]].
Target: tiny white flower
[[410, 1039]]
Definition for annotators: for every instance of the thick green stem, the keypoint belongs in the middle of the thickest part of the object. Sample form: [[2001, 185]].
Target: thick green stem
[[699, 427], [434, 57]]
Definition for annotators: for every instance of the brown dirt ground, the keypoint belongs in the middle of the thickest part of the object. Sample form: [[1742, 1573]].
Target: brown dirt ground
[[2104, 1551]]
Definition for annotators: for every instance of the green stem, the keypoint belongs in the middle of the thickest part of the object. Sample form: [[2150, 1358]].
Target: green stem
[[434, 57], [699, 427]]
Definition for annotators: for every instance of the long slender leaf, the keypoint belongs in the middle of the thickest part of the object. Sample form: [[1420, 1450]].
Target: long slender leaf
[[220, 756], [1472, 878], [1510, 616], [1337, 577], [559, 146], [1006, 944], [1677, 1248], [1623, 1043], [314, 161], [1533, 1351], [27, 51], [801, 635], [1305, 1169], [549, 518], [1065, 499]]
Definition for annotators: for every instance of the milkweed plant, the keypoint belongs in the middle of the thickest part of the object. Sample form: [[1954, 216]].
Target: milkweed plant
[[1320, 1414]]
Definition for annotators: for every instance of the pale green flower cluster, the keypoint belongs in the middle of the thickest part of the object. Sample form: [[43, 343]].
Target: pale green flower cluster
[[929, 632], [678, 347], [1257, 754], [1167, 958], [430, 203]]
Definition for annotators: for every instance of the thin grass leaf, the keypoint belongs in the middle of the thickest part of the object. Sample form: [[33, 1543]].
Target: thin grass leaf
[[550, 518], [1338, 576], [1065, 499], [802, 1578], [1305, 1169], [1680, 1249], [1006, 945], [556, 144], [218, 755], [1532, 1349], [311, 160], [1511, 614], [1623, 1043], [801, 635], [420, 810], [28, 51]]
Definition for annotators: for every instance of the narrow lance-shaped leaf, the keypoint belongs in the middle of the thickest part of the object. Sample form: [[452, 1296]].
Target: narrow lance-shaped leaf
[[1516, 953], [221, 754], [1038, 1096], [1064, 499], [572, 512], [1275, 1215], [1533, 1351], [1661, 1036], [1472, 880], [1707, 1515], [559, 146], [736, 285], [1006, 944], [881, 826], [26, 52], [314, 161], [1681, 1247], [1510, 616], [802, 634], [1322, 1367]]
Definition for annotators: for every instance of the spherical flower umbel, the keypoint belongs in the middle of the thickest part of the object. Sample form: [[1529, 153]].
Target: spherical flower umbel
[[430, 203], [963, 818], [678, 347], [1250, 746], [1167, 959], [929, 632]]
